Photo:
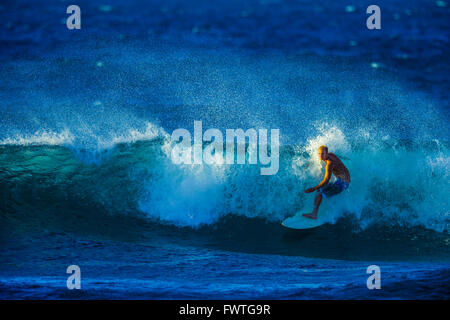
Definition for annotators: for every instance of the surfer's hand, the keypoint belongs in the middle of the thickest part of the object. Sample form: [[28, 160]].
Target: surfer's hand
[[309, 190]]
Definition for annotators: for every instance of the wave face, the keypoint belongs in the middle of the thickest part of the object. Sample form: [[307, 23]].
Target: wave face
[[393, 182]]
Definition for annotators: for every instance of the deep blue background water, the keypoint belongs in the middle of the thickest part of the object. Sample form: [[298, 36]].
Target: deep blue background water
[[86, 180]]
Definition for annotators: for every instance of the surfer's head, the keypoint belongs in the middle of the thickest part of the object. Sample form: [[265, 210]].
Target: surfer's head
[[323, 150]]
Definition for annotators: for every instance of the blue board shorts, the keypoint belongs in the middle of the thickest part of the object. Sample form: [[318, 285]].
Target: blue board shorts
[[333, 189]]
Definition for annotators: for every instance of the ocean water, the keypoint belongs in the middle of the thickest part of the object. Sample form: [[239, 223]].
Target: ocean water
[[86, 176]]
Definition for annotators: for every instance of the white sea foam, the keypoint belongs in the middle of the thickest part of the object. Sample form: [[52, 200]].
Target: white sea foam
[[64, 137]]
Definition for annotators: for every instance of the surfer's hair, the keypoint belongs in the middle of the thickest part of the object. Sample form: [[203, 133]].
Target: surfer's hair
[[323, 148]]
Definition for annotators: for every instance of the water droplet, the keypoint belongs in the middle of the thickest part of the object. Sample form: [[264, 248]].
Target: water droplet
[[105, 8], [350, 9]]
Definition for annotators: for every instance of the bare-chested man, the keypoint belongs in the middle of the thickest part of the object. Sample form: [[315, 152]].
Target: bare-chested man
[[333, 166]]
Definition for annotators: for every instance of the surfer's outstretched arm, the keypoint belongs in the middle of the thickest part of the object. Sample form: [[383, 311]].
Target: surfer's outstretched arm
[[326, 178]]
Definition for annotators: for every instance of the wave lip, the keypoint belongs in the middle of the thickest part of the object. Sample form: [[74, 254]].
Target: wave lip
[[51, 138], [67, 138]]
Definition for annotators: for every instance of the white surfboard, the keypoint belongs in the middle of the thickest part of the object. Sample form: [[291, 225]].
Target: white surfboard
[[300, 222]]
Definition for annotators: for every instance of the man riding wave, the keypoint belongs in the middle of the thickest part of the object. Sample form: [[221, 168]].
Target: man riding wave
[[333, 166]]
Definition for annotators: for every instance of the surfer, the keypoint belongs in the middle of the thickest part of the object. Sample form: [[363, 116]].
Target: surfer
[[333, 166]]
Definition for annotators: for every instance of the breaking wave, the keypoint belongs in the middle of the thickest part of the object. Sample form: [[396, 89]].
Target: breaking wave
[[394, 182]]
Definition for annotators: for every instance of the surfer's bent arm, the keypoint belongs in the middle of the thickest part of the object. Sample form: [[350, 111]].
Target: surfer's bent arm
[[326, 178]]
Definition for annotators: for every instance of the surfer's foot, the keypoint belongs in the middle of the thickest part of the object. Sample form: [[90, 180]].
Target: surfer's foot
[[310, 215]]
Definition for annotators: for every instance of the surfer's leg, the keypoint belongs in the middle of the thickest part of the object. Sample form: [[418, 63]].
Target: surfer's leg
[[317, 201]]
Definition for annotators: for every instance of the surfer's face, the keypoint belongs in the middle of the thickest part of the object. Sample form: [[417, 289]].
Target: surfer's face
[[322, 154]]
